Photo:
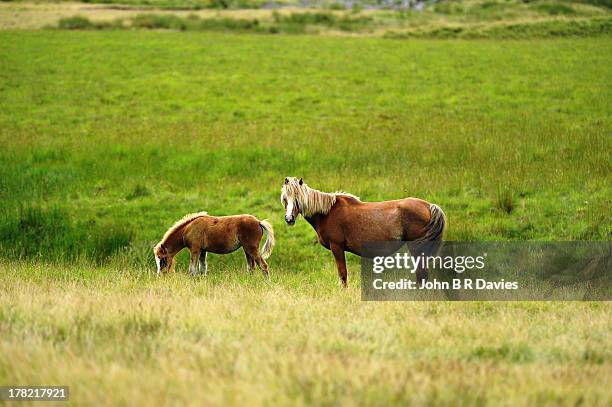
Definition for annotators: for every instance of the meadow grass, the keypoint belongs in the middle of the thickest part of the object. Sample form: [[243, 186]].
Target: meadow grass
[[506, 136], [109, 137], [127, 337]]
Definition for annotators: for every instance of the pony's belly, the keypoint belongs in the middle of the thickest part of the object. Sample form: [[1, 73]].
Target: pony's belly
[[223, 248], [372, 250], [361, 237]]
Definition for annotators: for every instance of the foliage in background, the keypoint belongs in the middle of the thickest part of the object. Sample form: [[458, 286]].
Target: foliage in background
[[539, 29], [300, 23], [294, 23], [449, 19], [493, 8]]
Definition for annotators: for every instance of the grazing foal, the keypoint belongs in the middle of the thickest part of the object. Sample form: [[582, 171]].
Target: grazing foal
[[345, 223], [202, 233]]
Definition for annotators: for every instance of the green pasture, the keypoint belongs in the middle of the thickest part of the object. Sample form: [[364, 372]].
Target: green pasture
[[110, 137]]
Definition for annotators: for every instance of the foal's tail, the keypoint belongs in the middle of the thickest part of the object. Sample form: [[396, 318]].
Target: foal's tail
[[266, 250], [434, 231]]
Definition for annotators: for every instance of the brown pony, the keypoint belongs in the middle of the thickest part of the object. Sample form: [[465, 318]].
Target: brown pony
[[345, 223], [202, 233]]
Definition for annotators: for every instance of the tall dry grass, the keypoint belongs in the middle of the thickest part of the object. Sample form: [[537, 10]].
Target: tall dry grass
[[124, 337]]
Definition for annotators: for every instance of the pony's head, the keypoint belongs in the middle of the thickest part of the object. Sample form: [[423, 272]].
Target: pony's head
[[291, 194], [163, 260]]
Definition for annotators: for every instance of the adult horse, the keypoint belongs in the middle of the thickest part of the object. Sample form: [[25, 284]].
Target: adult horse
[[344, 223]]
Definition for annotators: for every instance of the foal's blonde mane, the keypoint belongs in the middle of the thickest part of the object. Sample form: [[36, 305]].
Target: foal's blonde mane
[[310, 200], [180, 223]]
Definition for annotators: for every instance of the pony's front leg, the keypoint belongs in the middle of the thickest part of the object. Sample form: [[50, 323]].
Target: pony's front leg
[[193, 264], [338, 252], [203, 263]]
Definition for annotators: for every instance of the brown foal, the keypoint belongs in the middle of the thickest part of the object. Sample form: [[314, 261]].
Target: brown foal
[[202, 233]]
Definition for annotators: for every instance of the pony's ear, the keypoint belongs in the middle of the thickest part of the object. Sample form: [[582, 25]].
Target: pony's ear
[[301, 181], [286, 180]]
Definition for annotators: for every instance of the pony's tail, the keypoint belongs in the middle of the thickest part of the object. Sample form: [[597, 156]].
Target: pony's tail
[[434, 231], [266, 250]]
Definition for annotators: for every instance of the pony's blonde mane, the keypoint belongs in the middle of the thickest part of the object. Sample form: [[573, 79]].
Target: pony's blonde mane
[[310, 200], [180, 223]]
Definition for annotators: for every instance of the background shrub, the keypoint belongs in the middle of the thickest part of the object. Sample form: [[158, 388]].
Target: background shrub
[[75, 23]]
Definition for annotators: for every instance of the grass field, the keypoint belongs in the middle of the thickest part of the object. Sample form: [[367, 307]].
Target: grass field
[[109, 137], [127, 338]]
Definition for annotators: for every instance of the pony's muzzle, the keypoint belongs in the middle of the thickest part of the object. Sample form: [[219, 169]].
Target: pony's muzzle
[[162, 263], [158, 262], [290, 219]]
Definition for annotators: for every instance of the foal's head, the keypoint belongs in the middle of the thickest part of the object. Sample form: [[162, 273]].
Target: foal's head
[[289, 197], [163, 260]]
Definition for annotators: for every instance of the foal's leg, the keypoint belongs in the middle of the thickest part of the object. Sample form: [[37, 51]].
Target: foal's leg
[[338, 252], [252, 251], [262, 265], [193, 264], [203, 263], [250, 262]]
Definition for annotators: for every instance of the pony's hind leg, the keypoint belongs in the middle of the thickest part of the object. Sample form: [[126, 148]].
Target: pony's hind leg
[[424, 249], [203, 263], [262, 265], [252, 251]]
